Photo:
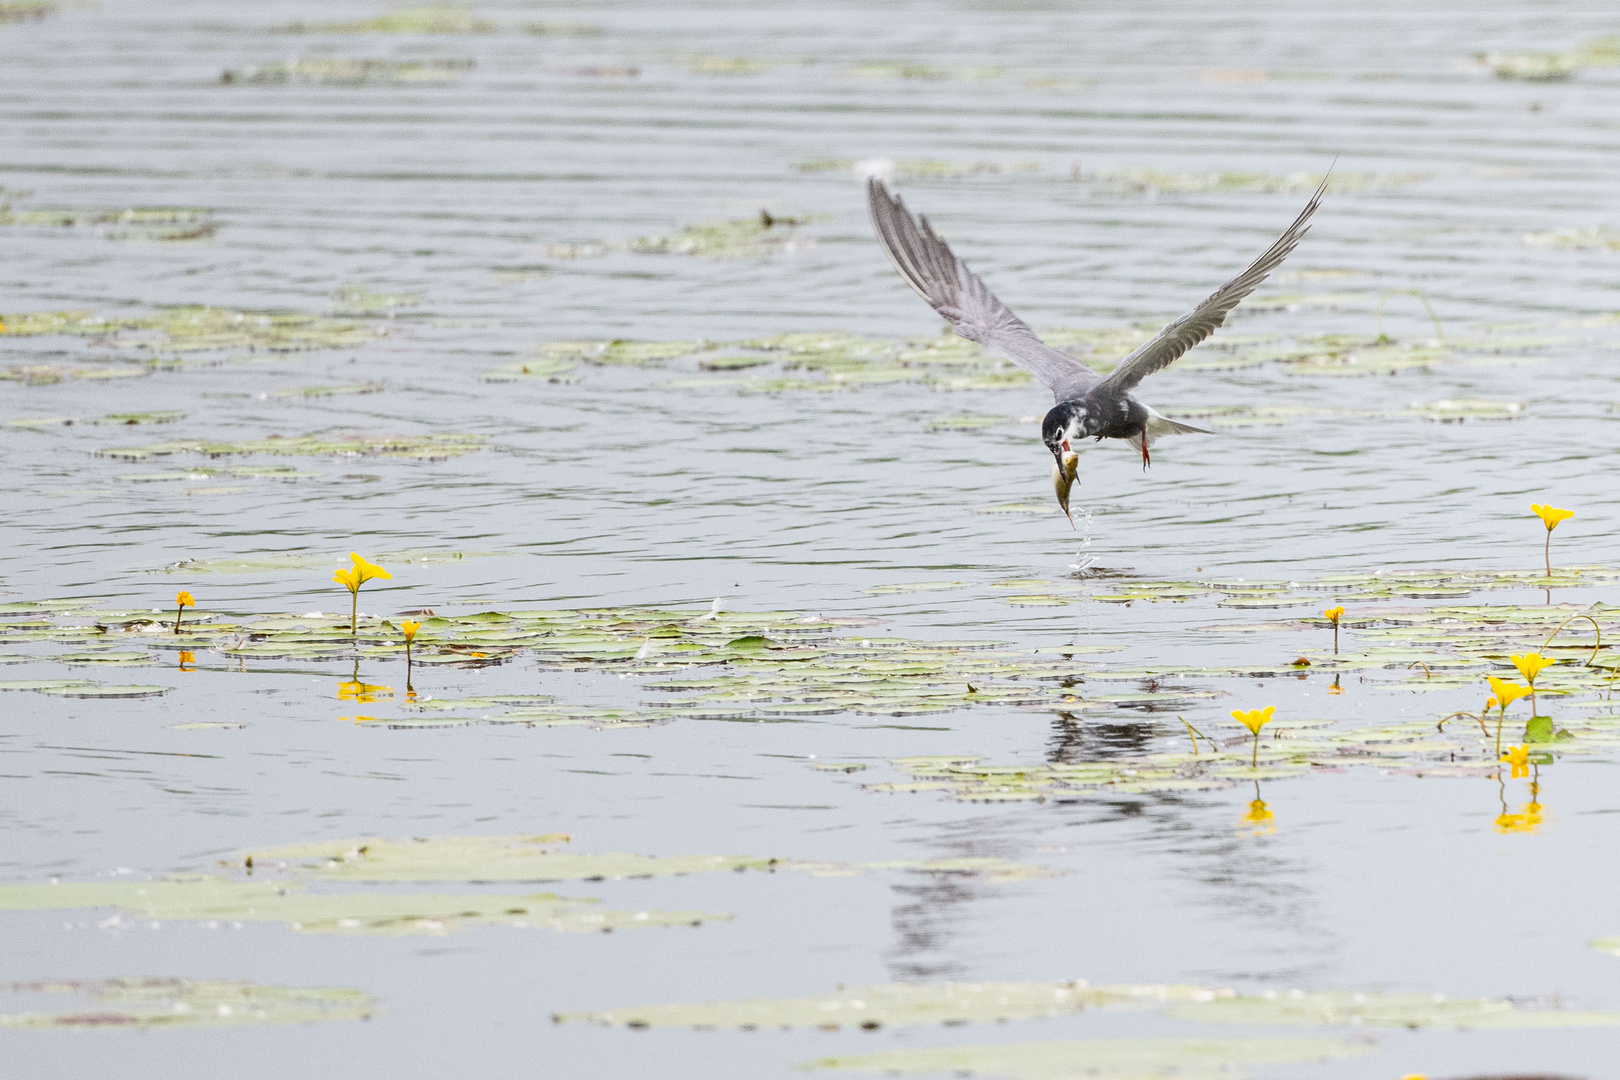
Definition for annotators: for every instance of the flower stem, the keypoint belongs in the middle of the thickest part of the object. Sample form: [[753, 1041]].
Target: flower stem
[[1335, 637], [1500, 714], [179, 611], [1254, 757], [354, 611], [1546, 552], [408, 689]]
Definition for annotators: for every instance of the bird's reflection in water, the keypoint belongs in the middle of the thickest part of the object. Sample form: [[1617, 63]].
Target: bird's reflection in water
[[1076, 739], [925, 924]]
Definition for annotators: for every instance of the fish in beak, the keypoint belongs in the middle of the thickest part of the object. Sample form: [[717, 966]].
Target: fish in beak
[[1063, 474]]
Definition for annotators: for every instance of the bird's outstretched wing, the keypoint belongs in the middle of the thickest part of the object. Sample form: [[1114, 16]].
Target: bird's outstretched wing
[[1174, 340], [956, 292]]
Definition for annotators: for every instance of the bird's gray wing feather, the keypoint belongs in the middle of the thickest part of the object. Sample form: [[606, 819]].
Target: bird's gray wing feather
[[942, 279], [1174, 340]]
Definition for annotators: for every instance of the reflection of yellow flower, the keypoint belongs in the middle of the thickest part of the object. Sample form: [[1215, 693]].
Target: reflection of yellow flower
[[187, 657], [409, 629], [1550, 515], [1334, 614], [1530, 665], [351, 690], [1258, 814], [1527, 820], [1519, 758]]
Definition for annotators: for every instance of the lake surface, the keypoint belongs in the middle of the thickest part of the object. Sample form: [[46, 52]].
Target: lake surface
[[444, 215]]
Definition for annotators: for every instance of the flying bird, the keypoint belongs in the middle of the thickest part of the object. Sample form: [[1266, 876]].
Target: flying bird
[[1088, 403]]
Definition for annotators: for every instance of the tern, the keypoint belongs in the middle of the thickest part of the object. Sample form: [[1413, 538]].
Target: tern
[[1088, 403]]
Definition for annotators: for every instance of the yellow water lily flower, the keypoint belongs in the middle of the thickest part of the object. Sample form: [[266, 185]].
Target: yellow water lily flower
[[354, 577], [1530, 665], [1333, 615], [1518, 758], [1506, 693], [1550, 516], [182, 600], [1254, 720], [409, 629]]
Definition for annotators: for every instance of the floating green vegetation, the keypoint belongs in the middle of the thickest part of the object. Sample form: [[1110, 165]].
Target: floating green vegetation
[[165, 224], [1412, 1011], [335, 72], [1101, 1059], [905, 69], [14, 11], [159, 416], [359, 300], [740, 238], [50, 374], [895, 1005], [908, 1004], [703, 64], [561, 29], [410, 447], [449, 19], [539, 858], [618, 352], [82, 688], [916, 168], [165, 1003], [1152, 182], [212, 899], [1444, 411], [1601, 237], [197, 329], [333, 390], [305, 560], [1553, 66]]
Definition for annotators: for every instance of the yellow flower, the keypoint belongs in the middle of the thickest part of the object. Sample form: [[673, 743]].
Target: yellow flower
[[1506, 693], [361, 573], [354, 577], [1490, 703], [1255, 719], [1530, 665], [1550, 515], [409, 629], [1334, 614], [183, 599], [1518, 757]]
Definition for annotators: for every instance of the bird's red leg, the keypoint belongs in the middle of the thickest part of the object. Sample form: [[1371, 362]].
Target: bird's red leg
[[1146, 461]]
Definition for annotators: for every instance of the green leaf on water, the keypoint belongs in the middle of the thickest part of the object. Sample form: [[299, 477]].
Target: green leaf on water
[[376, 914], [1101, 1059], [1340, 1007], [896, 1005], [538, 858], [146, 1003]]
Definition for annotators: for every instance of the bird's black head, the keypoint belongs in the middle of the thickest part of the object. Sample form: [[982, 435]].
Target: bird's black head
[[1065, 423]]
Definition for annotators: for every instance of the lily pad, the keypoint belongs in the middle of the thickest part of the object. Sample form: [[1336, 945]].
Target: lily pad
[[144, 1003], [1103, 1059], [376, 914], [1384, 1010], [410, 447], [895, 1005], [332, 71]]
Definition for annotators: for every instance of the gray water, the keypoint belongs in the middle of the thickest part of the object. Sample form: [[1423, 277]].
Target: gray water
[[617, 489]]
